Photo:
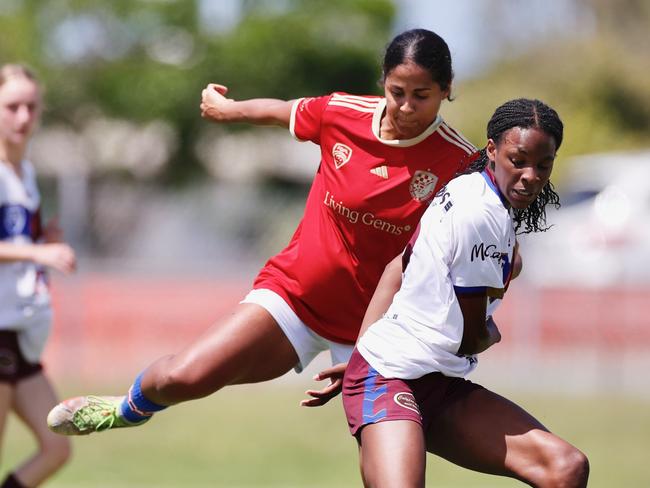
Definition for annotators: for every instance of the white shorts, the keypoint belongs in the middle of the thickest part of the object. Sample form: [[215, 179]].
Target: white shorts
[[32, 331], [305, 341]]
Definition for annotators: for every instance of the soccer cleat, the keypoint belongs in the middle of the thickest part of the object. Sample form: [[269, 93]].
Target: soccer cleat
[[87, 414]]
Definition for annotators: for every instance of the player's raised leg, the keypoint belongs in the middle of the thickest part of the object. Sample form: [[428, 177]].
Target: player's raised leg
[[488, 433], [247, 347]]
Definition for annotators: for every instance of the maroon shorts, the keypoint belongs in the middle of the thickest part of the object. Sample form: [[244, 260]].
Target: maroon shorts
[[369, 398], [13, 365]]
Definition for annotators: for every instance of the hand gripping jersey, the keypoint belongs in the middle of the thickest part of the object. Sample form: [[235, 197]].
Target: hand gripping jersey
[[465, 242], [23, 290], [365, 202]]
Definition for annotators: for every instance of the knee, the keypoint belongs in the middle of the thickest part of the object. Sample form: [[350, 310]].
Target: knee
[[56, 450], [569, 468]]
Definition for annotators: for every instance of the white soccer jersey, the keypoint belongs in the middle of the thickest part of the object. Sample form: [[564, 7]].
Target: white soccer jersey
[[465, 241], [24, 297]]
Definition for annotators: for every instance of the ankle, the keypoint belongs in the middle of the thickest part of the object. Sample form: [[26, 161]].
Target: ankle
[[136, 407]]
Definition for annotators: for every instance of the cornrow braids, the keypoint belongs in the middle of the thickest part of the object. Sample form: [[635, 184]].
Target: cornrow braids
[[525, 114]]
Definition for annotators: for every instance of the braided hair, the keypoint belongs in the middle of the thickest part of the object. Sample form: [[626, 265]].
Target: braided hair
[[525, 114]]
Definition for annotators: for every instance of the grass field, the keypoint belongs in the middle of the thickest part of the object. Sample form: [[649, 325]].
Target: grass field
[[257, 436]]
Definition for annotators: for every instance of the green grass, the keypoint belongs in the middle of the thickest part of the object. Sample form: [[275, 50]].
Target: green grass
[[257, 436]]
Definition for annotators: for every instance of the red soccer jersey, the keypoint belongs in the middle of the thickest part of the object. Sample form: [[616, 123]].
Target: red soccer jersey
[[365, 202]]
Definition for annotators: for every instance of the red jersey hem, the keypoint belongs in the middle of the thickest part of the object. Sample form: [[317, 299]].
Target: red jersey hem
[[296, 306]]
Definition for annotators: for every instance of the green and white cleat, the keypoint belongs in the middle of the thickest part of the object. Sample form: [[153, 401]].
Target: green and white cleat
[[87, 414]]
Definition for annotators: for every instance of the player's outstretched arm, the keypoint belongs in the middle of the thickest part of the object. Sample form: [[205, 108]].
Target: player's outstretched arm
[[321, 397], [59, 256], [388, 285], [259, 111]]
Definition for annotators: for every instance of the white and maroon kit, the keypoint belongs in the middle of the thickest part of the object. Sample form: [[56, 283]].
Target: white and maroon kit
[[465, 244]]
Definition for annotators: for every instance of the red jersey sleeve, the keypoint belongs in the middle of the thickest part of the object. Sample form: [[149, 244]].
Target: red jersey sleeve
[[306, 118]]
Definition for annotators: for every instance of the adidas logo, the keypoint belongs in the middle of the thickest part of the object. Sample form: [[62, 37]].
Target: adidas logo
[[381, 171]]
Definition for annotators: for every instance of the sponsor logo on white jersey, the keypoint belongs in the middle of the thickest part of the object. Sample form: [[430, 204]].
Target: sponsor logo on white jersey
[[341, 154], [484, 252], [422, 185]]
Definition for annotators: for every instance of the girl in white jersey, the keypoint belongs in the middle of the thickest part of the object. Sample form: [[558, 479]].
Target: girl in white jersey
[[26, 249], [403, 390], [382, 160]]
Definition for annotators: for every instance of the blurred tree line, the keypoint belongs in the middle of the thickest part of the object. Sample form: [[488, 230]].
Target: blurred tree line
[[147, 60]]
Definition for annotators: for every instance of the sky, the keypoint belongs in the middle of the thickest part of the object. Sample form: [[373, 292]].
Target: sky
[[480, 31]]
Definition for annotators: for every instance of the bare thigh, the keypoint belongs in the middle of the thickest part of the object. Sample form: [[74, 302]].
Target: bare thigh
[[488, 433], [392, 454], [246, 347]]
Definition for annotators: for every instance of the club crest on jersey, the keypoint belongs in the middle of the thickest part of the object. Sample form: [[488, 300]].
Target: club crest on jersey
[[422, 185], [341, 154], [15, 219]]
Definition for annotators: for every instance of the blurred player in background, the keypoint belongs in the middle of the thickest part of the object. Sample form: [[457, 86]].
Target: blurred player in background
[[404, 390], [382, 160], [26, 249]]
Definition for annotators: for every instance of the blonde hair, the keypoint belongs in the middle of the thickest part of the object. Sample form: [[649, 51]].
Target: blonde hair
[[11, 70]]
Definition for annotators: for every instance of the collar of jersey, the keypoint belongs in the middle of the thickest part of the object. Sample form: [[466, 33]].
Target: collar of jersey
[[492, 183], [376, 122], [6, 167]]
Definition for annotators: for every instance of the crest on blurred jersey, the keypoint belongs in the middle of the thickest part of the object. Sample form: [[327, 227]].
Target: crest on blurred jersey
[[15, 219]]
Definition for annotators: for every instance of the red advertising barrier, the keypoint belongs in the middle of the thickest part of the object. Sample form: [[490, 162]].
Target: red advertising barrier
[[109, 326]]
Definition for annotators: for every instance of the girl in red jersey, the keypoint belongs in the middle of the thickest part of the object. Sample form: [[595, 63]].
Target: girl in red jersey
[[382, 160], [25, 250]]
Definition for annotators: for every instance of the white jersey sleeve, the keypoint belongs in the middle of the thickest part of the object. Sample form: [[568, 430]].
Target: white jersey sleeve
[[478, 258]]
